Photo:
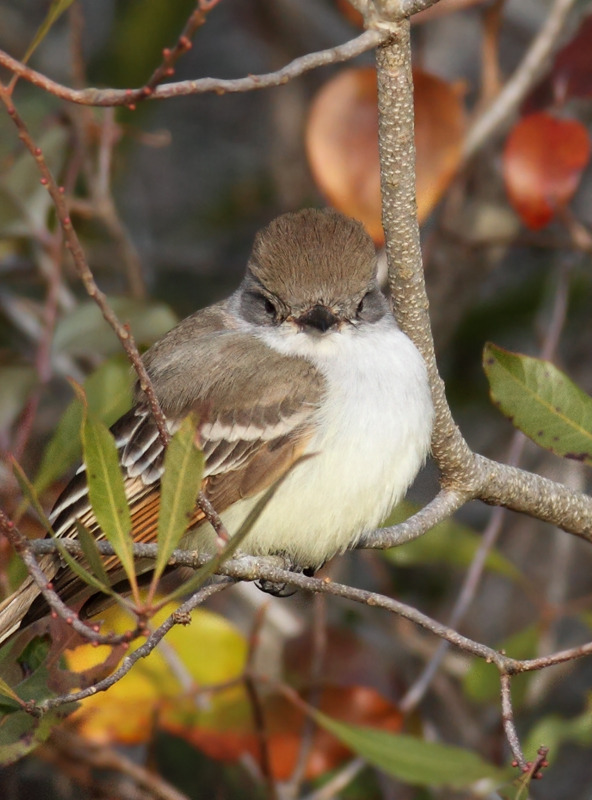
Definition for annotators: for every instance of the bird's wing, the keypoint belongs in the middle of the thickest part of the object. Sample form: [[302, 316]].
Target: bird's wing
[[256, 410]]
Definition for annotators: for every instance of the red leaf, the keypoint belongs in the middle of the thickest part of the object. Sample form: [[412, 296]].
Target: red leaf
[[570, 75], [543, 162]]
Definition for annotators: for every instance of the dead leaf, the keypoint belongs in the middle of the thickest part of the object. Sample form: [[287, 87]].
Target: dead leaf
[[342, 143], [543, 162]]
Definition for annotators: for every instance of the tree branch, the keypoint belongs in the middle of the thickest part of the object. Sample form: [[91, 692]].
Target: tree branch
[[462, 471], [440, 508], [508, 721], [177, 617], [251, 568], [122, 331], [125, 97], [506, 104]]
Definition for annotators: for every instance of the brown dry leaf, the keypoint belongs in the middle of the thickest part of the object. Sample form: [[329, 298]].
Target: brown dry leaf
[[543, 162], [342, 143], [342, 146]]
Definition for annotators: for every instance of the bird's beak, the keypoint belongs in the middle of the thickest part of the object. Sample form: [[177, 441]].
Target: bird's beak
[[318, 318]]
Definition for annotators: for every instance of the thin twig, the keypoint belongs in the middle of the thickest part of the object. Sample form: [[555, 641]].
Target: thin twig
[[177, 617], [96, 756], [508, 721], [253, 568], [170, 56], [122, 331], [319, 633], [23, 547], [446, 502], [340, 780], [261, 733], [124, 97], [507, 102], [104, 207], [249, 680]]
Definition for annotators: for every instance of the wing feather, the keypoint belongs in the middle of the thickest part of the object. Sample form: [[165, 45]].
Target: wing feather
[[256, 409]]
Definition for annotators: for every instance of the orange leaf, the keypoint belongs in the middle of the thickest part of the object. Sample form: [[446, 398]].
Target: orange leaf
[[543, 162], [342, 143], [226, 732], [358, 705]]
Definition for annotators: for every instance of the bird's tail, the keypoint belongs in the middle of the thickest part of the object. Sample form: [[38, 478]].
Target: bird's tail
[[15, 607]]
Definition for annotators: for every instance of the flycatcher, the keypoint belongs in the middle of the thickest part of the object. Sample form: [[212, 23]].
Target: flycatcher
[[304, 358]]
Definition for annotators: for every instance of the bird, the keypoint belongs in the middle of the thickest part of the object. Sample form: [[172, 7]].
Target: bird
[[305, 358]]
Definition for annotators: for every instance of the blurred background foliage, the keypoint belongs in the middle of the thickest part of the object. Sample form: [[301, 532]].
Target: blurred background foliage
[[166, 199]]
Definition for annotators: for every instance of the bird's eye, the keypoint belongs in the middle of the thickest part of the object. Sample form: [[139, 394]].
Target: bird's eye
[[360, 307], [269, 306]]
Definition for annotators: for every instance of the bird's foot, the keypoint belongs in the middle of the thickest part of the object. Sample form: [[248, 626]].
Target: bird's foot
[[283, 589]]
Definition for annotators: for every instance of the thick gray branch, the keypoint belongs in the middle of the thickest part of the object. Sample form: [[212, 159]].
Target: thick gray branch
[[399, 218]]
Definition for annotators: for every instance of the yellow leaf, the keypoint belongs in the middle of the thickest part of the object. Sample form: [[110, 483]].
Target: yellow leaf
[[209, 651]]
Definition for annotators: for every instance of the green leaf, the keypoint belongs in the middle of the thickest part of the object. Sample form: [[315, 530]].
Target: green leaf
[[85, 330], [30, 494], [24, 202], [56, 10], [552, 731], [541, 401], [108, 392], [211, 567], [106, 491], [411, 760], [15, 384], [482, 683], [6, 691], [19, 731], [449, 542], [83, 573], [180, 485], [91, 552]]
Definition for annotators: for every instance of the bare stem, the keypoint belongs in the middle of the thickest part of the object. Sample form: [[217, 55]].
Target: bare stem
[[124, 97], [508, 721], [122, 331], [506, 104]]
